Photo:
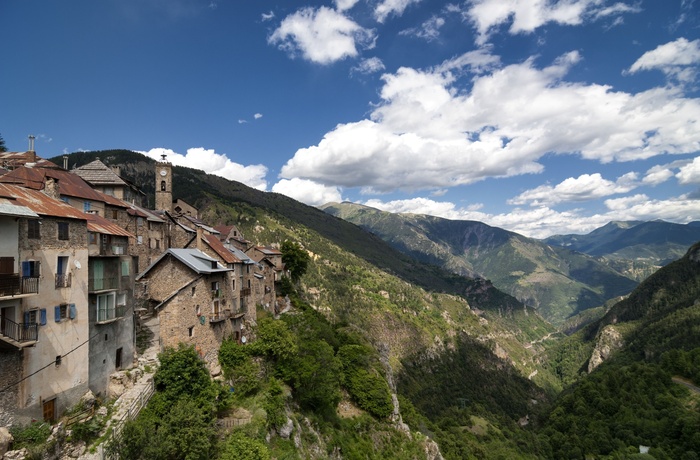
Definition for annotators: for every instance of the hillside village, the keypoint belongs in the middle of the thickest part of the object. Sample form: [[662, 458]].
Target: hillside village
[[83, 260]]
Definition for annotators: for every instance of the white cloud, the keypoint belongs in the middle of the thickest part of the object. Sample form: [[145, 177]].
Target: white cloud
[[690, 173], [431, 131], [344, 5], [369, 66], [211, 162], [678, 60], [525, 16], [258, 116], [242, 121], [541, 222], [585, 187], [429, 30], [657, 175], [321, 35], [307, 191], [389, 7], [268, 16]]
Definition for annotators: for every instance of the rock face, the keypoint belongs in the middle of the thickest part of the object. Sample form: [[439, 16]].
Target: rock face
[[5, 440], [608, 342]]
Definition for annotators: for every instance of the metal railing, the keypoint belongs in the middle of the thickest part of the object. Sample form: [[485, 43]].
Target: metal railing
[[19, 332], [63, 280], [13, 284], [101, 284], [108, 314]]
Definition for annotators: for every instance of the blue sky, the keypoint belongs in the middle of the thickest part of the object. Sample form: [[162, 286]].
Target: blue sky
[[537, 116]]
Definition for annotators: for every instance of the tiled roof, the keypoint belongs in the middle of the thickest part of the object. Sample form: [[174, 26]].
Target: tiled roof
[[138, 211], [220, 249], [192, 258], [98, 173], [38, 203], [99, 224]]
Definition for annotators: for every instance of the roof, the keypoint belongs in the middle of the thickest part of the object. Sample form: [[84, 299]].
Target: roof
[[99, 224], [138, 211], [220, 249], [98, 173], [269, 251], [200, 223], [195, 259], [242, 256], [10, 160], [69, 184], [37, 202]]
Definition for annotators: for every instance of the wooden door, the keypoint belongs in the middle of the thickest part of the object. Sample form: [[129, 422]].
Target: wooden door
[[50, 410]]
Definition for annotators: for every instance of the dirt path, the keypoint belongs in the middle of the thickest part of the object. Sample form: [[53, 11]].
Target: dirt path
[[686, 384]]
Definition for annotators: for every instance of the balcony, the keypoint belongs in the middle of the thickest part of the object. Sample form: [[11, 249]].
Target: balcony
[[18, 334], [103, 284], [219, 316], [63, 280], [245, 292], [106, 315], [12, 284]]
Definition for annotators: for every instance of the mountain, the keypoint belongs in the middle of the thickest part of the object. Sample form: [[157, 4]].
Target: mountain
[[655, 242], [641, 359], [557, 281]]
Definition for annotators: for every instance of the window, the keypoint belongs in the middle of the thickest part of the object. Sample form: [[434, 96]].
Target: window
[[139, 239], [86, 206], [157, 244], [7, 265], [190, 331], [33, 229], [32, 316], [115, 214], [61, 312], [126, 269], [139, 221], [162, 186], [63, 278], [31, 269], [194, 288], [65, 199], [63, 231], [58, 360], [92, 238], [109, 191], [233, 285], [106, 309]]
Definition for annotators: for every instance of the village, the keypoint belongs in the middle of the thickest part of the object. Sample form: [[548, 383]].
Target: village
[[83, 260]]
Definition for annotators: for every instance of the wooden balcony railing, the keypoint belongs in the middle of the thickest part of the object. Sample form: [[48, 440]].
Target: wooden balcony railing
[[13, 284], [245, 292], [219, 316]]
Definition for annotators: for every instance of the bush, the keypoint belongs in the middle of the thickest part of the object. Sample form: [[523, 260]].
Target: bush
[[241, 447], [33, 434]]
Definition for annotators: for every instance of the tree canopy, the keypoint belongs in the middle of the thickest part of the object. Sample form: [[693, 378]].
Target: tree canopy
[[295, 259]]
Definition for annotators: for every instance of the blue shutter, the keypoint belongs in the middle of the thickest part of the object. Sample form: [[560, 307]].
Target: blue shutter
[[57, 313], [26, 268], [42, 316], [72, 312]]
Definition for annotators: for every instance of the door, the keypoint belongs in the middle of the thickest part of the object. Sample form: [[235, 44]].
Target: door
[[49, 408], [118, 360]]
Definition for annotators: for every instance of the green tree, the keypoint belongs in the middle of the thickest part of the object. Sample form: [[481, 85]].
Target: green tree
[[2, 144], [241, 447], [295, 259]]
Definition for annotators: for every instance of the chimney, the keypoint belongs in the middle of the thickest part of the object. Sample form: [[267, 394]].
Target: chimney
[[51, 188], [32, 153], [200, 235], [65, 162], [116, 170]]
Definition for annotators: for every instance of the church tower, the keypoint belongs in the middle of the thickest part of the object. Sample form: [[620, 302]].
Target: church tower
[[164, 185]]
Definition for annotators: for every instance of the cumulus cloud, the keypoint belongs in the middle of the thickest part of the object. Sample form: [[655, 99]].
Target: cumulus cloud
[[525, 16], [258, 116], [429, 30], [690, 173], [307, 191], [369, 66], [678, 60], [661, 173], [211, 162], [321, 35], [391, 7], [585, 187], [432, 131]]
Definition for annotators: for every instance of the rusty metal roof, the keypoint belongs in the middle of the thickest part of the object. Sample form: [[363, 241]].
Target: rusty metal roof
[[38, 202], [99, 224], [10, 160], [71, 185], [218, 247]]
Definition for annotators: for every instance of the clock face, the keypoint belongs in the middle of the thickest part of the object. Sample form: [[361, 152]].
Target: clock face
[[163, 172]]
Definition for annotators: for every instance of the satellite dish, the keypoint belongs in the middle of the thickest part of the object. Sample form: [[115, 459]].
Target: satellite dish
[[77, 264], [243, 339]]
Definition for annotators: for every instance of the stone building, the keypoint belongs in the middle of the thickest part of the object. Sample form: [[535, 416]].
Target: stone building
[[193, 299], [46, 322], [107, 180]]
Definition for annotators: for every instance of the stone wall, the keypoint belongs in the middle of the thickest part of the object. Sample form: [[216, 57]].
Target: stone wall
[[77, 234], [10, 373]]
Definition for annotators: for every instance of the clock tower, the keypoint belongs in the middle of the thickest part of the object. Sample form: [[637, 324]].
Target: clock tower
[[164, 185]]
